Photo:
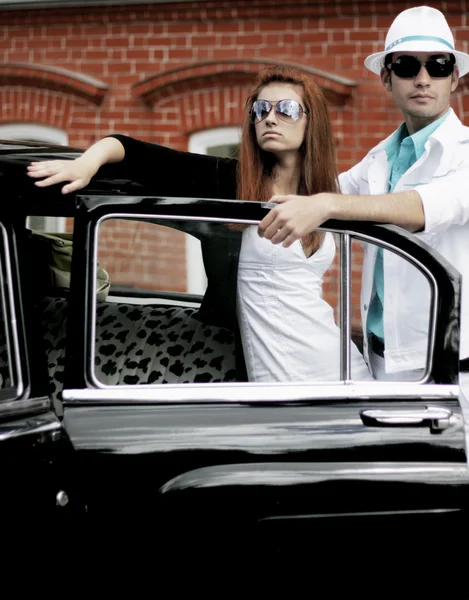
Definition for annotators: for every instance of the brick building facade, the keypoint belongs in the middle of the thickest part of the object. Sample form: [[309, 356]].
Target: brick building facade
[[165, 71]]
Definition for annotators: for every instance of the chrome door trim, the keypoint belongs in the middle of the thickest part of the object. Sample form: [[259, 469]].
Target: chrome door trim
[[18, 407], [345, 306], [261, 392], [31, 425], [290, 474], [133, 217], [11, 333], [345, 321], [434, 298]]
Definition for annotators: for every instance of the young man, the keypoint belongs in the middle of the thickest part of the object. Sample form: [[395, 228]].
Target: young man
[[417, 178]]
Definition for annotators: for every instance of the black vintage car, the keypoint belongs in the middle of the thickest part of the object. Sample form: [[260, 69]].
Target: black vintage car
[[124, 411]]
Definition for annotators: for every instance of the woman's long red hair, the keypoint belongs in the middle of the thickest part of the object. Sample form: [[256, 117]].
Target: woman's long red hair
[[318, 160]]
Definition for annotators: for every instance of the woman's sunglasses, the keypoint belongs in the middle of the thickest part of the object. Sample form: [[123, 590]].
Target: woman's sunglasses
[[408, 67], [289, 111]]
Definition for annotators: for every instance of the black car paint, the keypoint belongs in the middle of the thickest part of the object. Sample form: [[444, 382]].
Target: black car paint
[[268, 464]]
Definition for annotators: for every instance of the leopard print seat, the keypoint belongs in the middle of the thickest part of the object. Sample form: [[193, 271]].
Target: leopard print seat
[[137, 344]]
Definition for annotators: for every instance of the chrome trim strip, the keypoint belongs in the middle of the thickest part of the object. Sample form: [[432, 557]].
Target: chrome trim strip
[[13, 349], [261, 392], [347, 234], [378, 513], [433, 287], [18, 407], [134, 217], [93, 309], [345, 298], [32, 425], [288, 474]]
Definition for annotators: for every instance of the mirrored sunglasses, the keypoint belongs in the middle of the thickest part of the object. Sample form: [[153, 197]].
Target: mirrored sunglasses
[[289, 111], [408, 67]]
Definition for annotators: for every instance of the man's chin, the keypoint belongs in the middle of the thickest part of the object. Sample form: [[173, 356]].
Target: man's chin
[[423, 114]]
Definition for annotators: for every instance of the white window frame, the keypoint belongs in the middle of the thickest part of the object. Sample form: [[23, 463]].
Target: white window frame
[[33, 132], [199, 143], [38, 133]]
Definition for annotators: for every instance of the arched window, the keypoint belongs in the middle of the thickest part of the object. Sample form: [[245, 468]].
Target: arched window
[[222, 141], [29, 132]]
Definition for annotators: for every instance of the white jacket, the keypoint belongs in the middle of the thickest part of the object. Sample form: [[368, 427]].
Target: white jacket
[[441, 177]]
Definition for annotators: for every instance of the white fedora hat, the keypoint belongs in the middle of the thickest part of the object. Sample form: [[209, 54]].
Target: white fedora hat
[[420, 29]]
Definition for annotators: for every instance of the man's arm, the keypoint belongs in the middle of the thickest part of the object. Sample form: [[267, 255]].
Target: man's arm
[[296, 216]]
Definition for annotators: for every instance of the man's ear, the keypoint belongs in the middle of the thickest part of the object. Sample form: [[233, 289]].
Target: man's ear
[[386, 79]]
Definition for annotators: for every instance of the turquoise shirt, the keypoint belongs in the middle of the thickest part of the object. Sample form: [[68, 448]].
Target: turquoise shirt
[[402, 150]]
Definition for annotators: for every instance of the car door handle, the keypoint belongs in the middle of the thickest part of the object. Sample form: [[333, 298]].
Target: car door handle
[[432, 416]]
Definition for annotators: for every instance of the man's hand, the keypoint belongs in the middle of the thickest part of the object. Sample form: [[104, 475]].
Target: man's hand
[[297, 216], [294, 218]]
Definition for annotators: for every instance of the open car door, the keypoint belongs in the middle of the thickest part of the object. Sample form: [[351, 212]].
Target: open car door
[[166, 438]]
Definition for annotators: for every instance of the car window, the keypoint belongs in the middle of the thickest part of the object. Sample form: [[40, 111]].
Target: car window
[[269, 314], [391, 299], [149, 329]]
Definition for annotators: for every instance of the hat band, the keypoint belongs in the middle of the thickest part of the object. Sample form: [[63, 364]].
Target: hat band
[[419, 38]]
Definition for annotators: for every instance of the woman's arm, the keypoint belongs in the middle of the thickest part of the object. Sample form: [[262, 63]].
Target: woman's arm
[[169, 172], [79, 171], [161, 170]]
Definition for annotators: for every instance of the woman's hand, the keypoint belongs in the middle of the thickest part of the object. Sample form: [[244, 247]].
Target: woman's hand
[[78, 172], [294, 218]]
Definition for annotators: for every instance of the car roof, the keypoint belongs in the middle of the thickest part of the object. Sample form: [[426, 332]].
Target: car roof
[[13, 146], [16, 155]]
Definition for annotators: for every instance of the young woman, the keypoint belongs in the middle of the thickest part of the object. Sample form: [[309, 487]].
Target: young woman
[[287, 330]]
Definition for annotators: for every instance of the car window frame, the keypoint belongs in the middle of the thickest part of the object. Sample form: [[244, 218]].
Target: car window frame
[[344, 323], [90, 208], [17, 387]]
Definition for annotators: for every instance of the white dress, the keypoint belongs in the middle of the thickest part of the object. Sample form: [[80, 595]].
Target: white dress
[[287, 329]]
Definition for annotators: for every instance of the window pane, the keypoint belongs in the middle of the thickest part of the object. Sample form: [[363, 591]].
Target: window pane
[[269, 314], [142, 256], [224, 150], [149, 329], [46, 224], [395, 311]]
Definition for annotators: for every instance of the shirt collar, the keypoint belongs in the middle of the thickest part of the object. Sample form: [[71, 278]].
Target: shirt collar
[[394, 141], [419, 138], [392, 144]]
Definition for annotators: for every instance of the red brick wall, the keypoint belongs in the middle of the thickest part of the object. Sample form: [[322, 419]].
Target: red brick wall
[[132, 52], [133, 246]]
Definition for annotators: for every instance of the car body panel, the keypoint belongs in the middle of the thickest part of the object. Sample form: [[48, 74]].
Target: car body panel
[[278, 457]]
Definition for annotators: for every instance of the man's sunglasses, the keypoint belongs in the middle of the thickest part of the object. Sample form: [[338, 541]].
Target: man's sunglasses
[[289, 111], [408, 67]]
